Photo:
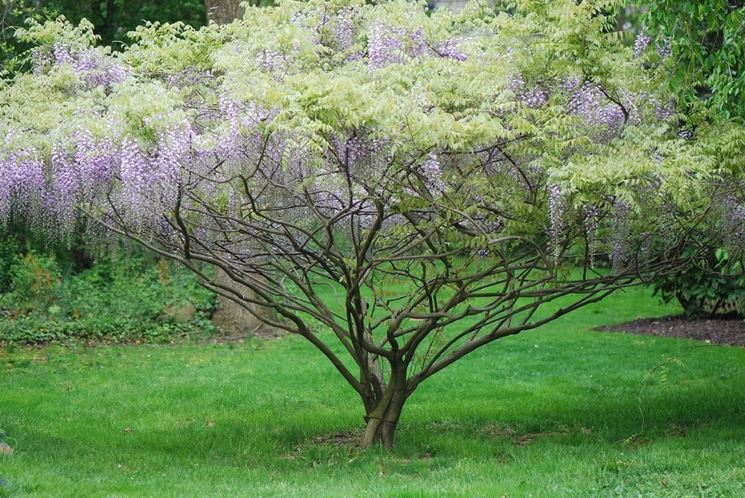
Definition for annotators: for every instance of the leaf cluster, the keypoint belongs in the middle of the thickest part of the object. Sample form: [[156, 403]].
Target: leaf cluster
[[707, 38]]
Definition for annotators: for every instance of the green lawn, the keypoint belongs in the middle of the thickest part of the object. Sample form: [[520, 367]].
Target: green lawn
[[560, 411]]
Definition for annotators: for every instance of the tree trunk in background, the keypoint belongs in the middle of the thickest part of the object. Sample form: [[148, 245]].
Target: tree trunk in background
[[235, 319], [223, 11], [232, 317]]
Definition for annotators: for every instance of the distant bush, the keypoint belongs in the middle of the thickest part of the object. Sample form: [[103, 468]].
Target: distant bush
[[707, 286], [122, 298]]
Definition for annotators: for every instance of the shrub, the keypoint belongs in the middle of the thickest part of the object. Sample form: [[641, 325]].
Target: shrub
[[710, 284]]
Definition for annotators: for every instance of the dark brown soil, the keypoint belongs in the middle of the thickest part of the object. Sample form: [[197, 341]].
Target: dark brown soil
[[716, 331]]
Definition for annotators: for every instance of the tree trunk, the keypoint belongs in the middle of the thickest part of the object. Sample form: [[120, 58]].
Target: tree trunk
[[234, 318], [231, 316], [382, 415], [223, 11]]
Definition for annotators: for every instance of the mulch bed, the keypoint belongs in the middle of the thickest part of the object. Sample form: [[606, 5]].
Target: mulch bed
[[717, 331]]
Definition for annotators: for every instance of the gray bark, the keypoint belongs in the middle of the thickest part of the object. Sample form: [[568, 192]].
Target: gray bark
[[223, 11], [234, 318]]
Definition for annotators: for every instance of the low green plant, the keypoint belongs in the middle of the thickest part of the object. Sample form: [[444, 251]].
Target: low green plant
[[34, 282], [8, 250], [122, 298]]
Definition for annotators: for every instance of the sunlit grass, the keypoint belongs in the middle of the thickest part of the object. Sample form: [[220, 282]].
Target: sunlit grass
[[560, 411]]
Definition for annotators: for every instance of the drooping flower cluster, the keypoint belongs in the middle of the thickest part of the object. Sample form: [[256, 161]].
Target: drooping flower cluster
[[641, 43], [621, 234], [94, 67], [665, 49], [385, 45], [591, 223], [592, 103], [432, 171], [556, 211], [533, 97], [96, 160], [23, 180], [388, 45], [344, 30], [150, 179]]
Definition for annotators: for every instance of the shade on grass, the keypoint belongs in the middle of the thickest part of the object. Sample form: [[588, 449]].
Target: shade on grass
[[561, 411]]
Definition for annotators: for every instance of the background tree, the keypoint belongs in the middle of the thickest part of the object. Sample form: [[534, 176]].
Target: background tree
[[13, 13], [703, 43], [398, 188], [223, 11], [114, 18], [707, 41]]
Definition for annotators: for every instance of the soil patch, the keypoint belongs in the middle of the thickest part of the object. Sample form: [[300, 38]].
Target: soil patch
[[350, 439], [717, 331]]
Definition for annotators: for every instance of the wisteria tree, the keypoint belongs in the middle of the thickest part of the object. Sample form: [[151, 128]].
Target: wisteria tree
[[397, 187]]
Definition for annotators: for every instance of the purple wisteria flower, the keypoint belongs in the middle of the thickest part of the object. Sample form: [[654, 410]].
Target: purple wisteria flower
[[591, 103], [621, 230], [665, 49], [450, 50], [24, 182], [344, 30], [591, 223], [556, 213], [641, 43], [534, 97], [66, 188], [432, 171], [384, 45], [94, 68]]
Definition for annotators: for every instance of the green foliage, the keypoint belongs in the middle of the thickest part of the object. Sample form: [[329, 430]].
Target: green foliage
[[122, 298], [707, 285], [113, 19], [708, 43], [109, 21], [9, 248], [14, 13], [34, 282]]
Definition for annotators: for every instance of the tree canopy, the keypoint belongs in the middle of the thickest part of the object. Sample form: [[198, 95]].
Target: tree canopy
[[399, 187]]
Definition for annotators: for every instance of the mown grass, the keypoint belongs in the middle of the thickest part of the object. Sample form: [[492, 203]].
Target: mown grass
[[561, 411]]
